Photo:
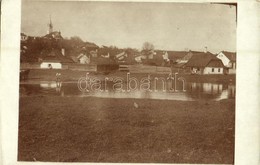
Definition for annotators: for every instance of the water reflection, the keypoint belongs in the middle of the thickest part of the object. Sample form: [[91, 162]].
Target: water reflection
[[193, 91]]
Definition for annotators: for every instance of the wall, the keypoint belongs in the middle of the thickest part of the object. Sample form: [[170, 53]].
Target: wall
[[232, 70], [55, 65], [208, 70]]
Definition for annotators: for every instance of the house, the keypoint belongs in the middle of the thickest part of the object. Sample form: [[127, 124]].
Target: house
[[121, 56], [148, 56], [138, 58], [51, 62], [205, 63], [53, 59], [171, 58], [229, 61], [83, 58], [93, 53], [24, 37], [165, 58]]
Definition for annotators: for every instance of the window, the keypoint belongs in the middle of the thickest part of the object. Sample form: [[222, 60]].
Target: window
[[218, 69], [212, 69]]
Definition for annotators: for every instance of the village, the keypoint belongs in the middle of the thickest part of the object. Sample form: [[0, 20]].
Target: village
[[81, 101], [52, 51]]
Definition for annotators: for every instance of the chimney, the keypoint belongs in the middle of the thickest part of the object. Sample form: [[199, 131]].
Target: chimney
[[205, 49]]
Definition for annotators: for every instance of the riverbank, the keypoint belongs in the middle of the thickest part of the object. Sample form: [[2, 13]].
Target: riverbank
[[72, 75], [75, 129]]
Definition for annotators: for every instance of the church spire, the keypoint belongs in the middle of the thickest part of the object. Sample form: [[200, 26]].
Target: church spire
[[50, 26]]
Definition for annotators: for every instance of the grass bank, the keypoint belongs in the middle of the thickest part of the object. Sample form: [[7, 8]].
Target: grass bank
[[68, 129]]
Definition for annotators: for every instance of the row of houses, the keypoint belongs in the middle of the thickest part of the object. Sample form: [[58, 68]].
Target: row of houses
[[185, 61], [193, 62]]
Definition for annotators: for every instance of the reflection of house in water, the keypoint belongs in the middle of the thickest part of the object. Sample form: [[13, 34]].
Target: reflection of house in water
[[207, 88], [212, 88], [52, 86], [48, 85], [231, 90]]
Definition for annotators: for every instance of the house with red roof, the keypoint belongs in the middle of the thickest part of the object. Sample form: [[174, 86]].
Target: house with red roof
[[205, 63]]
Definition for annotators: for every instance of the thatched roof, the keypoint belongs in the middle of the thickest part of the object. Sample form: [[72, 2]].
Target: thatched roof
[[55, 55], [201, 59]]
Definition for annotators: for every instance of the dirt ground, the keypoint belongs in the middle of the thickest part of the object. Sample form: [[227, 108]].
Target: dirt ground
[[88, 129]]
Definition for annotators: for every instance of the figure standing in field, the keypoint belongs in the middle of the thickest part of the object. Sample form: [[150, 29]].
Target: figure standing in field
[[58, 79]]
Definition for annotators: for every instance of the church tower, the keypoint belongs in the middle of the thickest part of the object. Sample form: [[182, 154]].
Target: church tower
[[50, 27]]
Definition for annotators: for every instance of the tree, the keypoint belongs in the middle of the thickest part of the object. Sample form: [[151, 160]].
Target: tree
[[76, 41], [147, 49], [148, 46]]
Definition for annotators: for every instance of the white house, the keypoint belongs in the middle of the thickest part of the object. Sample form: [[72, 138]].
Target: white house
[[51, 64], [205, 63], [138, 58], [166, 56], [83, 59], [229, 61]]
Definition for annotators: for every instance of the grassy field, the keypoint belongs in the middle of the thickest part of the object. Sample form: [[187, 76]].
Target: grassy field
[[68, 129], [70, 75]]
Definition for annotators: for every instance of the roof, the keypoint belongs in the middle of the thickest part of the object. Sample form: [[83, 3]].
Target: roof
[[189, 55], [22, 34], [201, 59], [178, 65], [55, 34], [89, 45], [81, 55], [230, 55], [55, 55], [172, 54], [175, 55], [51, 59], [120, 55]]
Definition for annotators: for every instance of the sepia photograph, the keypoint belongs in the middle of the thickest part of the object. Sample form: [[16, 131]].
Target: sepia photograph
[[127, 82]]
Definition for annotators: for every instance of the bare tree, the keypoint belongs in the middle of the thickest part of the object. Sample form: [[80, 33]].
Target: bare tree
[[147, 46], [147, 49]]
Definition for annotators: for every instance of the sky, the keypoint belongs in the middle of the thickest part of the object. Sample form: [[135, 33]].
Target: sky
[[168, 26]]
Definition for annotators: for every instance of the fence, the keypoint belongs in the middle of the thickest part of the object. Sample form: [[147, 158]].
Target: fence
[[145, 69]]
